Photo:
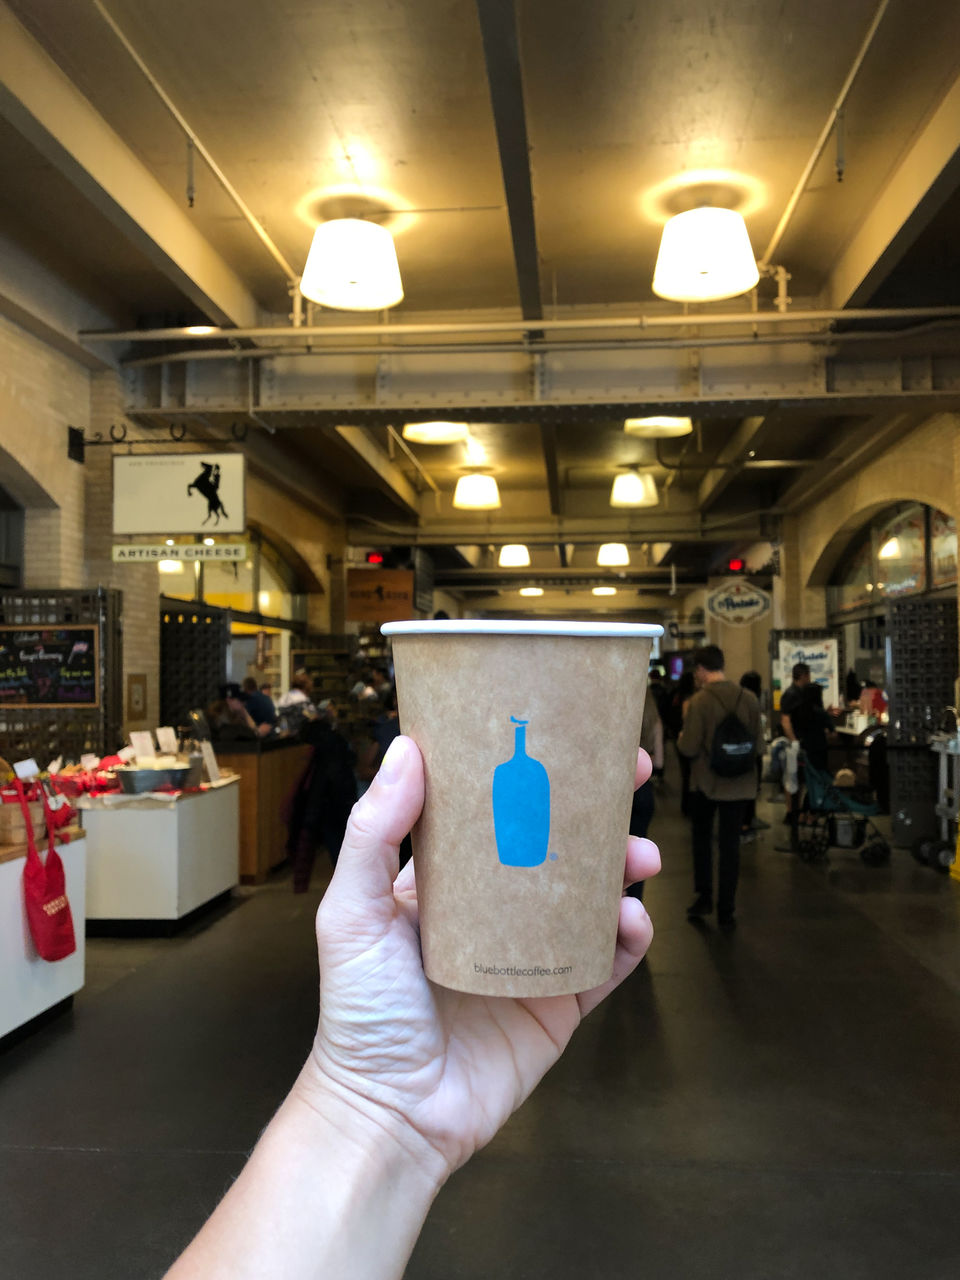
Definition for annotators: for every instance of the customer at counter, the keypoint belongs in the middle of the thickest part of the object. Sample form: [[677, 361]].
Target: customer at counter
[[229, 719], [259, 707]]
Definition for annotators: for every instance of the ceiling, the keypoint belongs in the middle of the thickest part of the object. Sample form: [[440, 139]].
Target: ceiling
[[525, 154]]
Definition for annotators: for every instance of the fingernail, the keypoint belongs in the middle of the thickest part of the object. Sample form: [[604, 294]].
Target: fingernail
[[393, 762]]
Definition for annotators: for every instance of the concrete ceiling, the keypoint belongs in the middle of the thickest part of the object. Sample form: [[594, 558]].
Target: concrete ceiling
[[530, 151]]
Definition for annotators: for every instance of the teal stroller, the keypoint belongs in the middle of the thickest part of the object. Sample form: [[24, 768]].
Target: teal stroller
[[831, 818]]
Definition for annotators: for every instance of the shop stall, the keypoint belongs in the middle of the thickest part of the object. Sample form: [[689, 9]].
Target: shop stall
[[268, 771]]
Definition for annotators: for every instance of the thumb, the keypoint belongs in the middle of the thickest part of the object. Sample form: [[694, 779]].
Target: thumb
[[362, 885]]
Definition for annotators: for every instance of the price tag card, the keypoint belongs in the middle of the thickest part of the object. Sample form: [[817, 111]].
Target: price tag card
[[210, 762], [89, 761], [25, 769], [127, 754], [142, 743], [167, 740]]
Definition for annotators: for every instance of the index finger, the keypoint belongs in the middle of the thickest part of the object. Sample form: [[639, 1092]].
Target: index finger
[[644, 768]]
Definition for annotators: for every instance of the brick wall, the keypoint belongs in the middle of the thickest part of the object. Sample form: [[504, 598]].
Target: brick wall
[[42, 392]]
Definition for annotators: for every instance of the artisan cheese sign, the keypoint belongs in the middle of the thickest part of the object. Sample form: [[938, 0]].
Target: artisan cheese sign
[[153, 553], [738, 603], [167, 493]]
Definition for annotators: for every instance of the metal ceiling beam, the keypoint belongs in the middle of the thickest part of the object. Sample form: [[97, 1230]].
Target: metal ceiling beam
[[850, 452], [544, 532], [917, 190], [378, 463], [44, 105], [498, 27], [730, 461]]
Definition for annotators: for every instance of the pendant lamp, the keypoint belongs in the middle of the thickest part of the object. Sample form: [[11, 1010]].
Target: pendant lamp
[[705, 254], [436, 432], [613, 554], [476, 491], [604, 591], [634, 489], [514, 555], [352, 266], [658, 427], [531, 591]]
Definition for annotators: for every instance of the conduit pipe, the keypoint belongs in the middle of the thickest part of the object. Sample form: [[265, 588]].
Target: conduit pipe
[[208, 333], [824, 138], [292, 276]]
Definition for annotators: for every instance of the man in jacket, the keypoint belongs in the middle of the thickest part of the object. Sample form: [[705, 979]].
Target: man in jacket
[[710, 792]]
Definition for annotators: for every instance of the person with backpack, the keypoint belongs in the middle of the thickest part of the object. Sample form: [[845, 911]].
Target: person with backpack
[[722, 736]]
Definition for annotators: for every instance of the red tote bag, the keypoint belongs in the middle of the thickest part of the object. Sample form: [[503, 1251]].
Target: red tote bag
[[45, 892]]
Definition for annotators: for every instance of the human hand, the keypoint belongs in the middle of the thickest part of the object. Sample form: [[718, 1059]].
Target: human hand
[[436, 1070]]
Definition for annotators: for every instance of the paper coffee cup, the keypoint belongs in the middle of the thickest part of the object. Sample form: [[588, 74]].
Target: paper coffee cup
[[529, 734]]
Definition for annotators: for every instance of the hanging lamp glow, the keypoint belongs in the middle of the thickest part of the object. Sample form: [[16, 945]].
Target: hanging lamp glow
[[513, 555], [476, 491], [436, 432], [705, 254], [634, 489], [531, 591], [352, 266], [604, 591], [659, 427], [613, 554]]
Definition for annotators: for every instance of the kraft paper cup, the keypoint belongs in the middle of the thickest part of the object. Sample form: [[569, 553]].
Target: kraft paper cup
[[529, 735]]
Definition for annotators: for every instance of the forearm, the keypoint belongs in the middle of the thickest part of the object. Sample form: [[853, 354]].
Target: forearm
[[327, 1192]]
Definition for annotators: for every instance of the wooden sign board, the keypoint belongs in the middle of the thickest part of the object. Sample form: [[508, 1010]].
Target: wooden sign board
[[379, 595], [50, 666]]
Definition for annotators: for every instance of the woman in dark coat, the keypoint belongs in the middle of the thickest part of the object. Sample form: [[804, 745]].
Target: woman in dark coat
[[320, 806]]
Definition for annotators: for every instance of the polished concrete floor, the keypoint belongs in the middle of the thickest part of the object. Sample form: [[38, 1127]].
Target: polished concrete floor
[[779, 1102]]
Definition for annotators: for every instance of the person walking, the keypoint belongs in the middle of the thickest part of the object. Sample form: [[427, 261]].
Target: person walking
[[789, 702], [644, 801], [721, 736]]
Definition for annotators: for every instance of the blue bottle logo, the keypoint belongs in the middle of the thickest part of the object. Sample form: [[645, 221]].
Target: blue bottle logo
[[521, 805]]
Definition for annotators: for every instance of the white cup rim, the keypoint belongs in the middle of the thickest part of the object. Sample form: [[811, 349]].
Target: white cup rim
[[522, 627]]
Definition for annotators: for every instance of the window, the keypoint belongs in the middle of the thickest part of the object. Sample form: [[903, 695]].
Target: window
[[905, 550]]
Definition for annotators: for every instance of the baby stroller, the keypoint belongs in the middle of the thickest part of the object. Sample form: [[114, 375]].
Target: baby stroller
[[832, 818]]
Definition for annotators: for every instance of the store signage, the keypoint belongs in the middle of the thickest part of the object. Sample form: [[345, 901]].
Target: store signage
[[179, 493], [822, 656], [143, 553], [738, 603], [379, 595], [49, 666]]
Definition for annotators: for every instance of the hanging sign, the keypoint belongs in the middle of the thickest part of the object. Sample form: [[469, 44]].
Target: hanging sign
[[379, 595], [179, 493], [738, 603], [822, 656], [150, 553]]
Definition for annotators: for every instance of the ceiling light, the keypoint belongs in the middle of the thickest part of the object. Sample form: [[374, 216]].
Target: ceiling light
[[658, 427], [352, 266], [475, 451], [170, 566], [201, 330], [531, 591], [169, 542], [476, 491], [634, 489], [208, 542], [613, 554], [705, 254], [604, 591], [435, 432], [514, 555], [890, 549], [263, 599]]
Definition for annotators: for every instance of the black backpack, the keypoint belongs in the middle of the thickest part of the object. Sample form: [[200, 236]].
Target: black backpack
[[732, 748]]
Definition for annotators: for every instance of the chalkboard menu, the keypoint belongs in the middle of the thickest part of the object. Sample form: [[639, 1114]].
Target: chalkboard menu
[[49, 666]]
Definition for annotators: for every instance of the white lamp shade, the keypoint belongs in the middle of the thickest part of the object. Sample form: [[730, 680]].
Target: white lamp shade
[[705, 254], [658, 427], [352, 265], [604, 591], [435, 432], [170, 566], [514, 555], [613, 554], [634, 489], [476, 492], [531, 591]]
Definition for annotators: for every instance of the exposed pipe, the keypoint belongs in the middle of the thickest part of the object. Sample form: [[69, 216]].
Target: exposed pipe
[[192, 136], [824, 138], [821, 336], [207, 333]]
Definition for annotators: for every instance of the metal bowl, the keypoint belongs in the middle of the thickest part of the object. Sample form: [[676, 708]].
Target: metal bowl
[[134, 782]]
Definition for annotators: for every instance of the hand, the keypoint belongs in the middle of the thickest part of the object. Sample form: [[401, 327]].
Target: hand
[[437, 1070]]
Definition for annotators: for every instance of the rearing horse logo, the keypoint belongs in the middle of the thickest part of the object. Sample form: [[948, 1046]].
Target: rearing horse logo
[[208, 484]]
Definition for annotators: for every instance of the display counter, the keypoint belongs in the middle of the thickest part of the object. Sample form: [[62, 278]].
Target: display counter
[[268, 771], [30, 986], [160, 857]]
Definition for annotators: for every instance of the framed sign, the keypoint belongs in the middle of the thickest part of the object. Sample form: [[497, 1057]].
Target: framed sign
[[379, 595], [822, 656], [50, 666], [169, 493], [738, 602]]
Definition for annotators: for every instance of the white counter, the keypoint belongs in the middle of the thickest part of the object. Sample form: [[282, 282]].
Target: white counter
[[28, 985], [160, 858]]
